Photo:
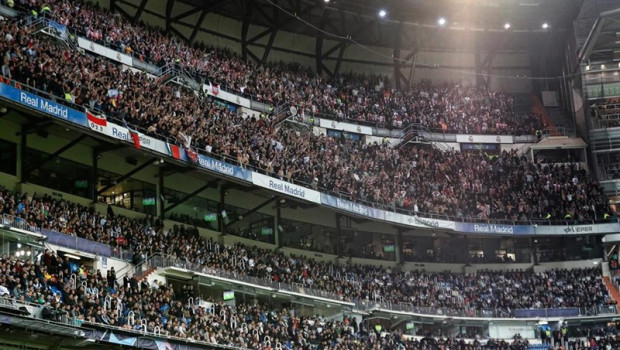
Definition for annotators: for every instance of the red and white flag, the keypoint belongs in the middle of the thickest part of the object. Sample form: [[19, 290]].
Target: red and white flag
[[135, 137], [215, 88], [94, 119]]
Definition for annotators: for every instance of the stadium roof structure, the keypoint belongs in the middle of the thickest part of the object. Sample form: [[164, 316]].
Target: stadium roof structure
[[603, 41], [360, 20], [409, 26]]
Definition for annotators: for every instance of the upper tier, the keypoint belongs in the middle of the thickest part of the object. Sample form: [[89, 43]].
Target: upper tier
[[449, 187], [450, 108]]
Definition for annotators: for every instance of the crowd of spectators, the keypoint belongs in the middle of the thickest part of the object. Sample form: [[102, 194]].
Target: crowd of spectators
[[66, 293], [452, 183], [76, 294], [449, 108], [419, 179], [422, 179], [459, 293]]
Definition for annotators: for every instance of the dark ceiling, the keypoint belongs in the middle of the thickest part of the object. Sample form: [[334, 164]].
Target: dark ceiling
[[359, 19], [410, 26]]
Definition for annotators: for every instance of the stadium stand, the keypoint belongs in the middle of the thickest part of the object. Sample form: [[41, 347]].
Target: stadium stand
[[415, 178], [472, 186], [466, 294], [87, 296], [450, 108]]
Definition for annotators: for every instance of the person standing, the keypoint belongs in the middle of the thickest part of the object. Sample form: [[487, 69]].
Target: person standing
[[111, 277]]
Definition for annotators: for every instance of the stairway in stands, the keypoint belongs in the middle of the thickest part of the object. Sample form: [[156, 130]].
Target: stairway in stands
[[558, 122], [522, 104], [145, 274], [612, 288]]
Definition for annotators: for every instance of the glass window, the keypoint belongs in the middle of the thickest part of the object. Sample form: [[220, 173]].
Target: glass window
[[205, 213], [59, 173], [194, 211], [254, 226], [368, 245], [302, 235], [418, 249], [130, 194], [349, 243], [8, 157], [567, 248]]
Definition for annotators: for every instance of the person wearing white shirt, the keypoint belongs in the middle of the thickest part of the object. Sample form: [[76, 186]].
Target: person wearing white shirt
[[4, 291]]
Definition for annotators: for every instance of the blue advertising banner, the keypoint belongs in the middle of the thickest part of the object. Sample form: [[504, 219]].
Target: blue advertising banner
[[352, 207], [43, 105], [61, 30], [467, 227], [77, 243], [534, 313], [223, 168]]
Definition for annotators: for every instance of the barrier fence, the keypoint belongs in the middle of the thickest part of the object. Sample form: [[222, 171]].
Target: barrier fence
[[378, 302]]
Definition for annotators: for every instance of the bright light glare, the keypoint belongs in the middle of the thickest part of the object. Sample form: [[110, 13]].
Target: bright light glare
[[326, 1], [545, 25], [382, 13], [441, 21], [507, 26]]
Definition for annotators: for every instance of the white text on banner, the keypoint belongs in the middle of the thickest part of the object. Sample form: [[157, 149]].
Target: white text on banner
[[104, 51], [121, 133], [354, 128], [286, 187], [484, 139], [418, 221]]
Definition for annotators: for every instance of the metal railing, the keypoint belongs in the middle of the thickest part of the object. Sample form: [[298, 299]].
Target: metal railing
[[369, 305], [160, 260], [499, 313], [64, 324], [281, 113], [68, 241], [341, 195], [137, 270], [62, 318], [18, 222]]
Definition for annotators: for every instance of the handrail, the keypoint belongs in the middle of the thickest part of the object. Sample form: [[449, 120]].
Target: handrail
[[75, 322], [127, 269], [171, 337], [17, 222], [161, 260]]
